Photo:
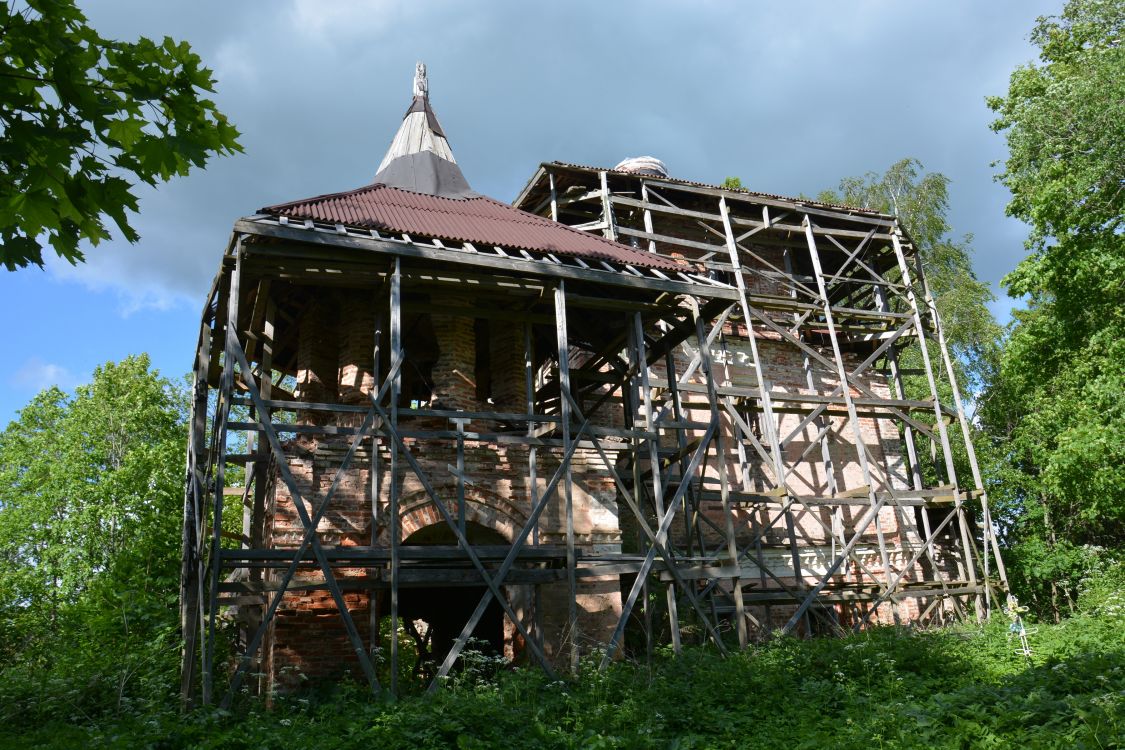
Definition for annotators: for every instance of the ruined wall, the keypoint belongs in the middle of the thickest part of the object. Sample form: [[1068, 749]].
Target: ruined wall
[[813, 466], [335, 362]]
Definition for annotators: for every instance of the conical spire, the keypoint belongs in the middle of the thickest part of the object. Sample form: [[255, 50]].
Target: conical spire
[[419, 159]]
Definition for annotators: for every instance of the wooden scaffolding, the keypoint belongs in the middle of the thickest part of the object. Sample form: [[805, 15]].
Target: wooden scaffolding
[[703, 467]]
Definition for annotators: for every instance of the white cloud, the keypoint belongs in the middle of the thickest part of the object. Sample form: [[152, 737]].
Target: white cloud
[[139, 283], [36, 375], [791, 97], [322, 19], [183, 231], [233, 60]]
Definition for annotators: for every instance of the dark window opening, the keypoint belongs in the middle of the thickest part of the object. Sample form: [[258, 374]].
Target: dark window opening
[[482, 370]]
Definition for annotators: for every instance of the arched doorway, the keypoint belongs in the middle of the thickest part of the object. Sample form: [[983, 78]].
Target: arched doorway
[[434, 615]]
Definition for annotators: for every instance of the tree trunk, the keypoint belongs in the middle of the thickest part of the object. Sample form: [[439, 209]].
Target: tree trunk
[[1049, 526]]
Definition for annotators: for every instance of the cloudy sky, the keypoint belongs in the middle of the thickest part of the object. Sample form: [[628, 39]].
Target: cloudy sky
[[788, 96]]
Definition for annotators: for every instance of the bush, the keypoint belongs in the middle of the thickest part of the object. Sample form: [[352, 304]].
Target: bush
[[958, 688]]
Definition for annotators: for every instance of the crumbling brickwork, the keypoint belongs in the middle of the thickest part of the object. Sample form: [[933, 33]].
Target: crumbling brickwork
[[308, 640], [335, 365]]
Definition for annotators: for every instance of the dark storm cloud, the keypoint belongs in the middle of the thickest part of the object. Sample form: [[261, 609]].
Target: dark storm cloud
[[789, 98]]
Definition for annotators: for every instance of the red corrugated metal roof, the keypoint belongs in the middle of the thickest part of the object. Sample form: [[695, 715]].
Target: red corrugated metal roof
[[480, 220]]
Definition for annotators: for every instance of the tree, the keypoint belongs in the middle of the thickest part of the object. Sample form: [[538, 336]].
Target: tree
[[81, 116], [90, 514], [1065, 125], [1055, 409], [921, 202]]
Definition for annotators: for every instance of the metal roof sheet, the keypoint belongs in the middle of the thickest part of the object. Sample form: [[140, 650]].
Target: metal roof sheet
[[479, 220]]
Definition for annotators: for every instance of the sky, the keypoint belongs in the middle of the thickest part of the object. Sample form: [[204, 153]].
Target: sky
[[790, 97]]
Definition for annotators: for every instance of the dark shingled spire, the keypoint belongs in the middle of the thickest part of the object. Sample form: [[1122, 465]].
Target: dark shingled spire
[[419, 159]]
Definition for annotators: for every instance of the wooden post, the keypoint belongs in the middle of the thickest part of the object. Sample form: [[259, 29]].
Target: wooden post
[[568, 499], [768, 421], [376, 475], [254, 517], [532, 451], [681, 445], [554, 198], [226, 386], [610, 230], [459, 424], [191, 573], [631, 399], [647, 216], [643, 401], [396, 353], [939, 417]]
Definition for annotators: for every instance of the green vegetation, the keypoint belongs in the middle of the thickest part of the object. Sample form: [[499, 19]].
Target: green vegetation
[[90, 516], [1054, 409], [90, 483], [921, 202], [959, 688], [79, 113]]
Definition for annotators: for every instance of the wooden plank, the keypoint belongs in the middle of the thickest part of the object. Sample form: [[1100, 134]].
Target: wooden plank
[[853, 416], [309, 540], [669, 239]]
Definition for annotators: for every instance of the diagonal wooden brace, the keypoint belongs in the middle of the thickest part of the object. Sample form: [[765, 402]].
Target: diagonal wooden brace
[[461, 540], [310, 539], [661, 534]]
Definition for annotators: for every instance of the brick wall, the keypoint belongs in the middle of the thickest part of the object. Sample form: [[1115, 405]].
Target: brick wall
[[308, 641], [334, 361], [453, 378]]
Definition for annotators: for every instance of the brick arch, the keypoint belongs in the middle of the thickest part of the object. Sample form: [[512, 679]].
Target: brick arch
[[482, 506]]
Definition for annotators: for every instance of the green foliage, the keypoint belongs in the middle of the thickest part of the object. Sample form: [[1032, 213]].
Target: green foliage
[[921, 202], [1065, 124], [1103, 594], [90, 514], [1055, 409], [958, 688], [733, 183], [81, 115]]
